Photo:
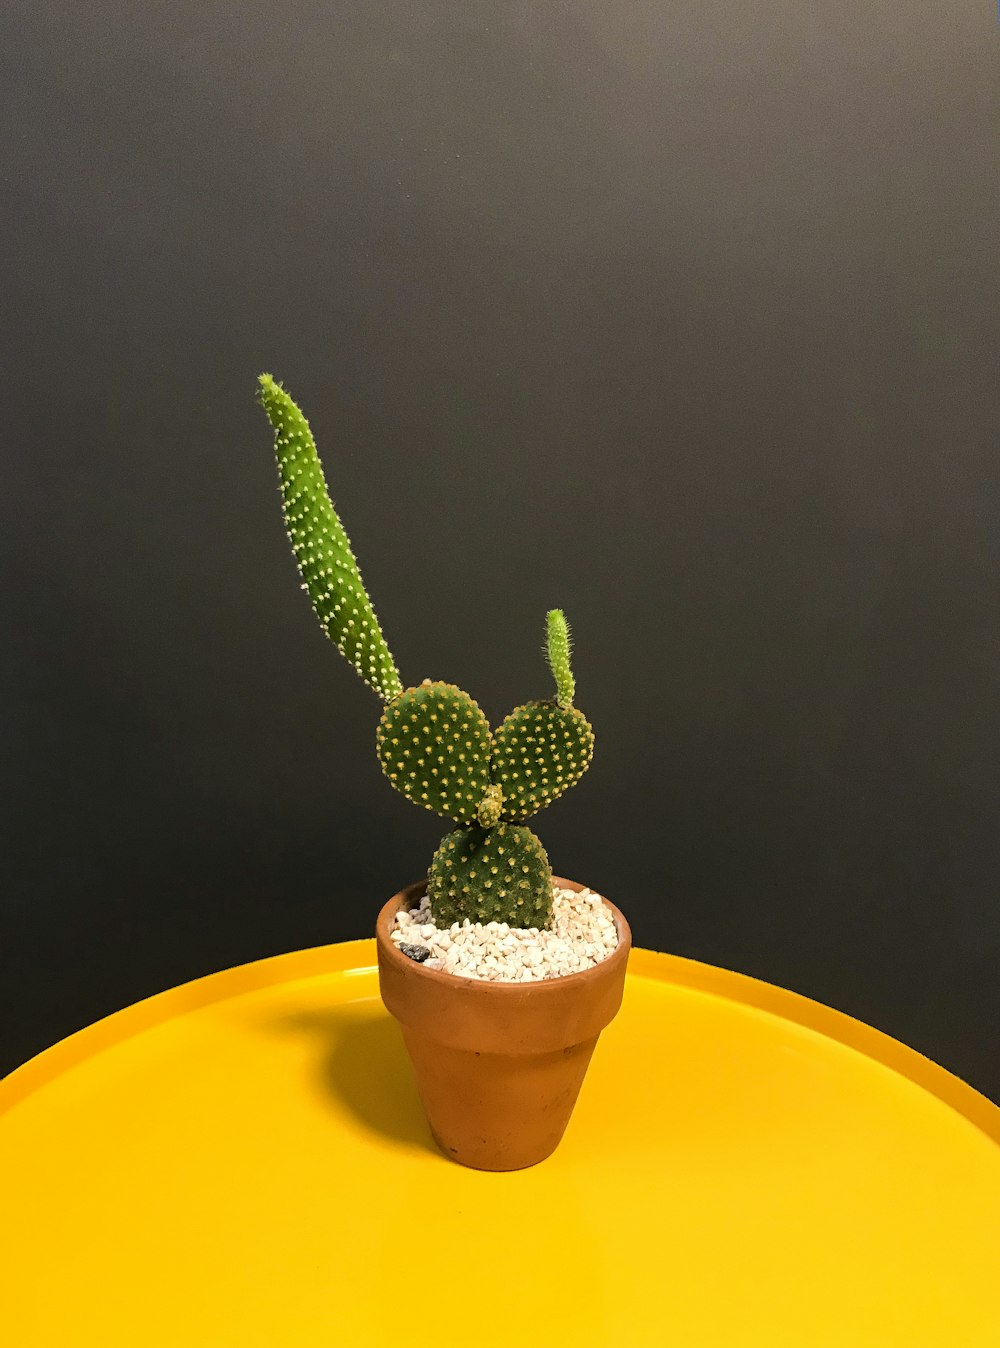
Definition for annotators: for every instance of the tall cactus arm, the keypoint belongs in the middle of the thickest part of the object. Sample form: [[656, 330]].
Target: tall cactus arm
[[322, 549], [557, 650]]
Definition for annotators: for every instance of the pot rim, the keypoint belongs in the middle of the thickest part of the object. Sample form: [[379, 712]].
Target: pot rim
[[503, 986]]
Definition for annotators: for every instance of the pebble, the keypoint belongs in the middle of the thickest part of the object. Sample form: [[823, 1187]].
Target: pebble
[[582, 934], [420, 953]]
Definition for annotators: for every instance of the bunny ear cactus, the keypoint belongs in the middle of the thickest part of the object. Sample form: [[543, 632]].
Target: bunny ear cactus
[[433, 740]]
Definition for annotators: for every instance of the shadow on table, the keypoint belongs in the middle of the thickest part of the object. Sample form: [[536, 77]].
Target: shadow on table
[[364, 1067]]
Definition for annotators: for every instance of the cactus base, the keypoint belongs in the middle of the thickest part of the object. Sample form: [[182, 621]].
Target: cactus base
[[498, 874]]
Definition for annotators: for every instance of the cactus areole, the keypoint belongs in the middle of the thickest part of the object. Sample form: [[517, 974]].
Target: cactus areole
[[433, 741]]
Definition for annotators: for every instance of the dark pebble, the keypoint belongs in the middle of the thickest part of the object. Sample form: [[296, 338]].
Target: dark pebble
[[415, 952]]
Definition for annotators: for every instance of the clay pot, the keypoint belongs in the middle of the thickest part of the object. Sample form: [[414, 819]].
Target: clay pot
[[498, 1065]]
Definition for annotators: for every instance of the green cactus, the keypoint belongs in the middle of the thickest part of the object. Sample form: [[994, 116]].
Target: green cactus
[[433, 741]]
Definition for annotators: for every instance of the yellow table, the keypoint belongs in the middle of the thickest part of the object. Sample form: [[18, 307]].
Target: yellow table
[[242, 1162]]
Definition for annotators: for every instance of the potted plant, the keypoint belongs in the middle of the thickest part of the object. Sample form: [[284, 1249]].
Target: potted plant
[[501, 975]]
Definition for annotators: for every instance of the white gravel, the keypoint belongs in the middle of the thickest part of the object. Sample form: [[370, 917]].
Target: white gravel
[[582, 934]]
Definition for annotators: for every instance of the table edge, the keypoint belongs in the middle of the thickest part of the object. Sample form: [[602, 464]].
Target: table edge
[[359, 957]]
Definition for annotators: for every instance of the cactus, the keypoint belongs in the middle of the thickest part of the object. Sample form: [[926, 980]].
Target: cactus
[[433, 741]]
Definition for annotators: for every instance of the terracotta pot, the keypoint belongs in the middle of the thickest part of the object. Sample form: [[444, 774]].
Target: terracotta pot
[[498, 1065]]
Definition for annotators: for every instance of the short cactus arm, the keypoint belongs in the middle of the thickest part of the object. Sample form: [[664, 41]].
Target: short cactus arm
[[557, 650], [322, 549]]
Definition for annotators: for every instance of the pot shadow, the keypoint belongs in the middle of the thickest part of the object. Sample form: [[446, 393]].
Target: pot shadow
[[364, 1068]]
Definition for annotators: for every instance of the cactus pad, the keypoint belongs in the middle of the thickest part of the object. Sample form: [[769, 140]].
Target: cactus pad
[[558, 646], [498, 874], [322, 549], [433, 743], [539, 751]]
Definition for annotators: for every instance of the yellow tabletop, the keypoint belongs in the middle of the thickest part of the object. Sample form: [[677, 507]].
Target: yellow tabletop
[[242, 1162]]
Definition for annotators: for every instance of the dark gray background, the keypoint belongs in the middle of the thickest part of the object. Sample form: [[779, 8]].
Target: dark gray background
[[683, 317]]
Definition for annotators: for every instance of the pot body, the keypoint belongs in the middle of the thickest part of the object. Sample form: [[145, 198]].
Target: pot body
[[498, 1065]]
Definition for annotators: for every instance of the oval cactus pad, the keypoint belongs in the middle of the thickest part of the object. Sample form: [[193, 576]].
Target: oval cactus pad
[[433, 743], [539, 751], [498, 874]]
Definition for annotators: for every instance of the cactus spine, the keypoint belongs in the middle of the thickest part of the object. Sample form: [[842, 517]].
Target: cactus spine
[[433, 741]]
